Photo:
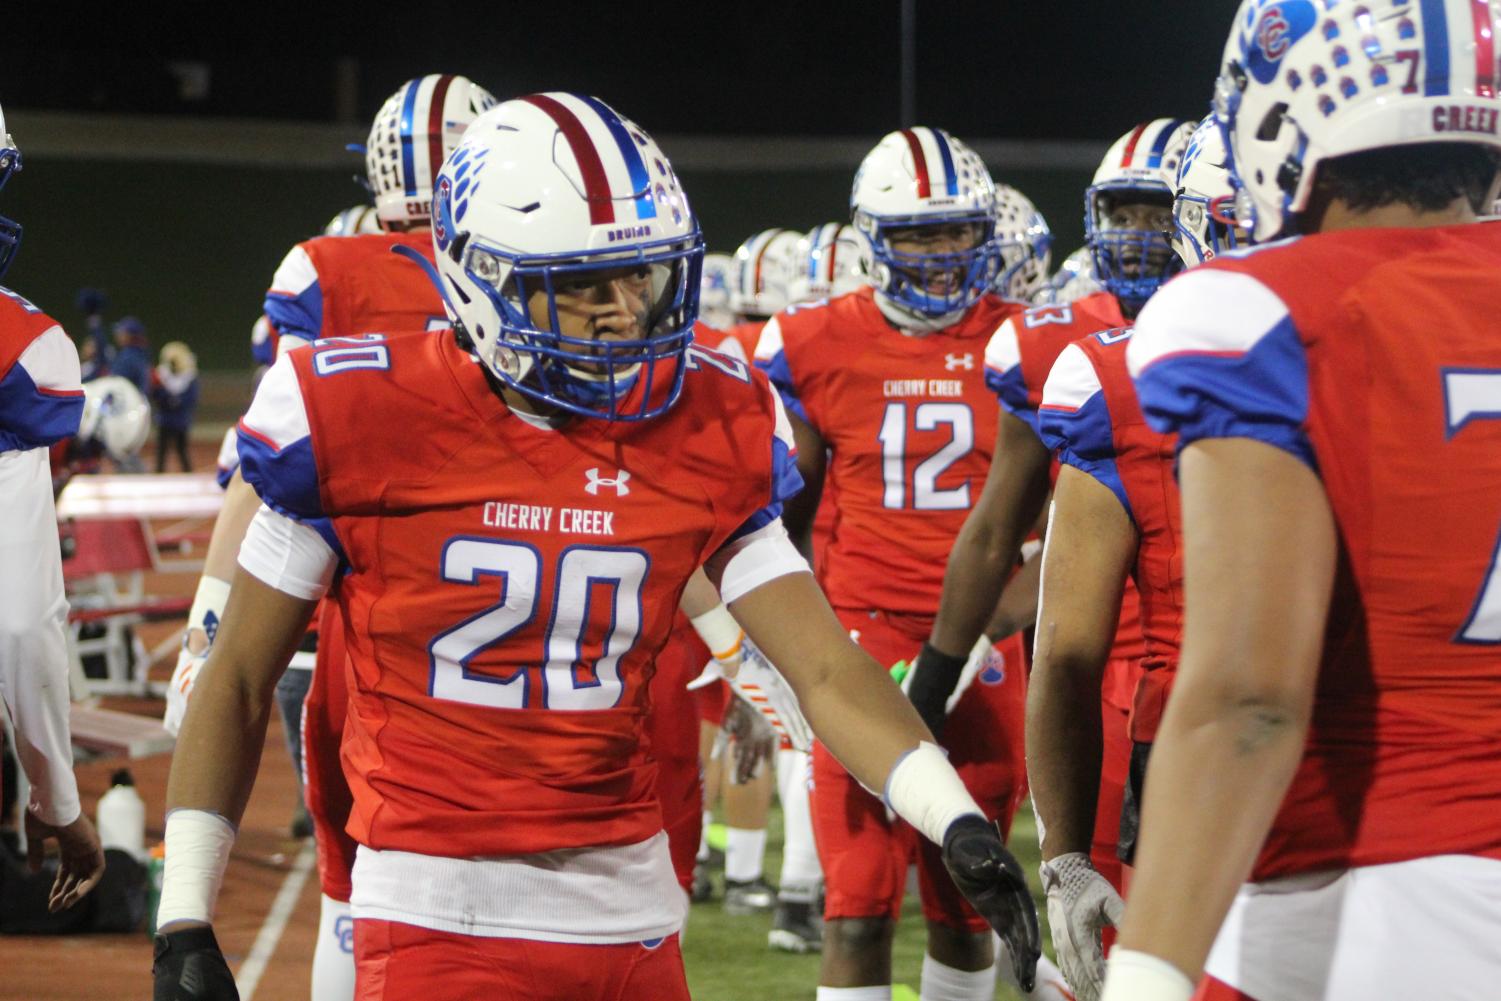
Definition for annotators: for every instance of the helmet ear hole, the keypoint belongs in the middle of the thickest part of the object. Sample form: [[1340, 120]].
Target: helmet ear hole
[[1272, 123]]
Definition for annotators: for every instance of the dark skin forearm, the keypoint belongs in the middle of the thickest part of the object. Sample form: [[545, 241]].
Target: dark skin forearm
[[987, 546], [1260, 552], [1091, 544]]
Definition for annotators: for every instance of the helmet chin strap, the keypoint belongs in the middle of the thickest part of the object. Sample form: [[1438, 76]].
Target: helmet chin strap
[[911, 322]]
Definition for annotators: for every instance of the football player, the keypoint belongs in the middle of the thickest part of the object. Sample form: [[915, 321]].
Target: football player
[[1114, 517], [1128, 218], [884, 388], [41, 402], [509, 552], [1330, 739], [338, 286], [1026, 245], [714, 299], [765, 265], [829, 264]]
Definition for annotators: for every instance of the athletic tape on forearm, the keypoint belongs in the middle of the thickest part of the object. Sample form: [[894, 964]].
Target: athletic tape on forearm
[[927, 793], [1137, 976], [209, 600], [198, 845], [719, 631]]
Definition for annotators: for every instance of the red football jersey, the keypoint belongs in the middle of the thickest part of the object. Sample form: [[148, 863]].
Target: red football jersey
[[1017, 362], [1092, 420], [1371, 355], [911, 428], [41, 399], [509, 586], [340, 286]]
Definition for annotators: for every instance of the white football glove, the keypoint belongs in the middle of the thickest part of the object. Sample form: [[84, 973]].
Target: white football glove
[[197, 640], [1081, 902], [762, 685]]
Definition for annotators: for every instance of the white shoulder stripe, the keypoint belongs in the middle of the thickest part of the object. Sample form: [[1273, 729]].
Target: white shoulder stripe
[[52, 362], [296, 273], [783, 425], [1072, 381], [278, 413], [1003, 352], [1205, 311], [769, 345]]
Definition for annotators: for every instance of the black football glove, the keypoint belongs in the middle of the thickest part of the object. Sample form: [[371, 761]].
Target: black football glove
[[189, 967], [934, 678], [992, 879]]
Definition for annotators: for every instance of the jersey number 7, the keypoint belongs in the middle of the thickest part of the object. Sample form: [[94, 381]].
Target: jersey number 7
[[1469, 395]]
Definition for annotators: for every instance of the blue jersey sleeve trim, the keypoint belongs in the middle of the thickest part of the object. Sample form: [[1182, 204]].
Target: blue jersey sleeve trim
[[286, 479], [780, 374], [1083, 439], [33, 418], [299, 316], [1261, 394], [1011, 389], [786, 483]]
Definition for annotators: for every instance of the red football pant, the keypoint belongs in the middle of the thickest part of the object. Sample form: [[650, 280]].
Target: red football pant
[[325, 789], [1211, 989], [864, 855], [1115, 767], [399, 962]]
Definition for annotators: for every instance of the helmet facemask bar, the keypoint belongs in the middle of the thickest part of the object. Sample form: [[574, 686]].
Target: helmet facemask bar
[[1205, 227], [10, 230], [586, 376], [1117, 252], [908, 277]]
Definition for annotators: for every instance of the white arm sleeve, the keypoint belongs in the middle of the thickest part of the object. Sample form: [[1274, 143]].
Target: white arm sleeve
[[744, 564], [287, 555]]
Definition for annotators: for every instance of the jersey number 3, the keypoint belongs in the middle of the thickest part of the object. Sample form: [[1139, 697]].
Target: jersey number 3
[[1470, 395], [570, 680]]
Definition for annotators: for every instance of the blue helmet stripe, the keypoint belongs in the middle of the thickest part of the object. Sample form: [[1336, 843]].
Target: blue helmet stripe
[[1160, 145], [1435, 48], [948, 161], [408, 163], [646, 206]]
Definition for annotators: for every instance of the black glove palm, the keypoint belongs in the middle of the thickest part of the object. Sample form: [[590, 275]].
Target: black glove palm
[[992, 879], [190, 967], [934, 678]]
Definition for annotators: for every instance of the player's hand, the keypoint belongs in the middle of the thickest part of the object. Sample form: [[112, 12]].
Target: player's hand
[[933, 678], [184, 675], [189, 966], [1081, 902], [82, 858], [993, 881], [754, 739]]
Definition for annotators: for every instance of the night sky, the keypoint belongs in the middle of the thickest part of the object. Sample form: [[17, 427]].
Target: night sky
[[1070, 69]]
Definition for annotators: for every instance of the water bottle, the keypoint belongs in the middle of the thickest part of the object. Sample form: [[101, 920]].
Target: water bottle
[[121, 818]]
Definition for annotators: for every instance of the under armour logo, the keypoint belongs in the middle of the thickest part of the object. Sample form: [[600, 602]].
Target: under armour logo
[[596, 481], [964, 361]]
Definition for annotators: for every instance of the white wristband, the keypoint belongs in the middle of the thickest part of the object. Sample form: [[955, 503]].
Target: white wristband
[[927, 793], [208, 607], [720, 632], [198, 844], [1138, 976]]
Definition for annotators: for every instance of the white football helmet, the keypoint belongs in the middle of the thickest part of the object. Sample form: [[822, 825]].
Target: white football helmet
[[1142, 166], [353, 221], [10, 163], [1302, 82], [1025, 242], [412, 134], [764, 266], [1204, 206], [550, 189], [115, 416], [714, 291], [1074, 280], [921, 177], [829, 264]]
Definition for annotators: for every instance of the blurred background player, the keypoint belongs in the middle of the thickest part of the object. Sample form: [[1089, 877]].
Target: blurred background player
[[1139, 173], [174, 395], [1331, 733], [829, 264], [538, 869], [1115, 516], [41, 402], [885, 390], [714, 297], [1073, 281], [116, 424], [765, 265], [1026, 246], [339, 286]]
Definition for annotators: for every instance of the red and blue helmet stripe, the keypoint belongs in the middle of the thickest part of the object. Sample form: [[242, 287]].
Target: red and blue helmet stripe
[[949, 180], [591, 164], [434, 123]]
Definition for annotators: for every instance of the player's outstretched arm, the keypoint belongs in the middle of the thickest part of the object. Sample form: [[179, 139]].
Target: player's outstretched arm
[[1260, 549], [981, 560], [862, 717], [213, 769], [1090, 546]]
